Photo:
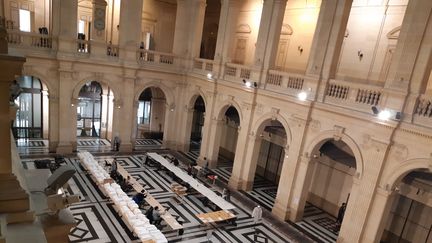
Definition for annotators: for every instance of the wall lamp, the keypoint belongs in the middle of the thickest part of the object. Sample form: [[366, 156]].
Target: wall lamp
[[360, 54], [250, 84], [302, 96], [300, 49], [386, 114]]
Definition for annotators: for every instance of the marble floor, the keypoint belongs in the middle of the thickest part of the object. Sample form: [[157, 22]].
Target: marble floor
[[98, 222]]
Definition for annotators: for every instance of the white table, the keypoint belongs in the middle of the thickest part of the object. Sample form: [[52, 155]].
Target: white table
[[219, 201]]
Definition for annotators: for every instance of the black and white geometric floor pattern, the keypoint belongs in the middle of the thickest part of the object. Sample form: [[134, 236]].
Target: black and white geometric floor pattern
[[32, 146], [144, 143], [93, 145], [98, 222]]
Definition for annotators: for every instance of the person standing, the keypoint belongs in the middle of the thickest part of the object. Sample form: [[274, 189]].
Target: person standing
[[257, 214], [341, 214]]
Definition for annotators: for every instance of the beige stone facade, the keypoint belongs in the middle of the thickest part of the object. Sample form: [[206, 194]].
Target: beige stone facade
[[347, 56]]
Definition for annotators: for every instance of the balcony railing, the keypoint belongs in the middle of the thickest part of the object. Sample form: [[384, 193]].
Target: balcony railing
[[203, 66], [423, 111], [236, 72], [112, 50], [352, 95], [83, 46], [284, 82], [29, 39], [154, 57]]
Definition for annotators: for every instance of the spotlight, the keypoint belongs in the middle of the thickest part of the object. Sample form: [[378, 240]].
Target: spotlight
[[302, 96], [210, 76], [384, 115], [250, 84], [375, 110], [398, 115]]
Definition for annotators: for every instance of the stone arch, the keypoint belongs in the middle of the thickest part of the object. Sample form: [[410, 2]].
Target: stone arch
[[271, 116], [194, 97], [46, 84], [243, 28], [286, 29], [223, 107], [398, 173], [169, 96], [98, 79], [394, 33], [325, 136]]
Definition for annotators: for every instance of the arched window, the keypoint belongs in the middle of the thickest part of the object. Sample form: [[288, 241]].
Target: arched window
[[28, 122]]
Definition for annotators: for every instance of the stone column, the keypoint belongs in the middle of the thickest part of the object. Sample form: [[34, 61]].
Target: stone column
[[104, 116], [54, 117], [362, 192], [186, 133], [410, 67], [327, 42], [11, 66], [380, 211], [251, 161], [207, 128], [227, 25], [188, 29], [67, 25], [67, 119], [236, 180], [281, 205], [124, 113], [214, 143], [300, 189], [45, 114], [268, 36], [129, 38]]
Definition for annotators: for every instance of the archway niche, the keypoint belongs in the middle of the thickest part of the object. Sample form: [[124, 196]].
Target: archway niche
[[268, 161], [328, 187], [210, 29], [197, 125], [409, 218], [226, 140], [151, 114], [95, 111], [32, 117]]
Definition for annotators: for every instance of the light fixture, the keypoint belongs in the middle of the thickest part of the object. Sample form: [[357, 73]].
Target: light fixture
[[302, 96], [250, 84], [209, 76], [386, 114], [360, 54], [72, 104], [300, 49]]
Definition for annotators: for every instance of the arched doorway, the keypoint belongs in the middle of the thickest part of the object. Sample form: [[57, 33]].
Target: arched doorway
[[33, 108], [328, 187], [151, 117], [409, 217], [89, 110], [270, 144], [197, 125]]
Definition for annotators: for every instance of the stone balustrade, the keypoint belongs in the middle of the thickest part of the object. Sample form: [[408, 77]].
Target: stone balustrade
[[83, 46], [29, 39], [112, 50], [203, 66], [236, 72], [423, 110], [353, 95], [155, 57]]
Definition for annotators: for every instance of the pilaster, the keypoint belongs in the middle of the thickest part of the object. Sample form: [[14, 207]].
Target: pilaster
[[327, 41], [67, 105], [230, 10], [67, 25], [129, 38], [268, 36]]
